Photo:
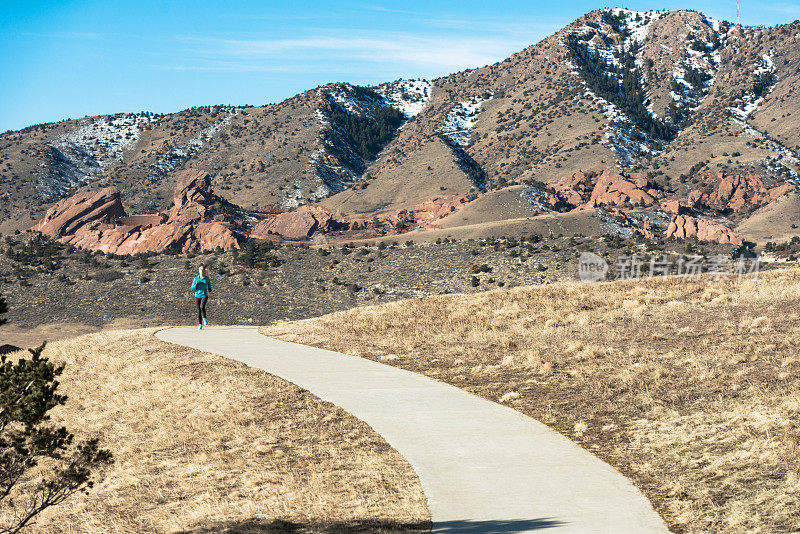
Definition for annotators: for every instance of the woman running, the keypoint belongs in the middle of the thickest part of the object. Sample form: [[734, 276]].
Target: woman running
[[201, 285]]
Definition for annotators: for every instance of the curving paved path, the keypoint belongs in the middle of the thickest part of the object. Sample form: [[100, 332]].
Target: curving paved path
[[485, 468]]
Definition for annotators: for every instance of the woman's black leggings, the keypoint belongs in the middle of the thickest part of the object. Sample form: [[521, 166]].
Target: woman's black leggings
[[201, 308]]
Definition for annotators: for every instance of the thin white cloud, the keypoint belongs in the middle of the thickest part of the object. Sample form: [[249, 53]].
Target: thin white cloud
[[383, 9], [534, 30], [231, 66], [424, 52]]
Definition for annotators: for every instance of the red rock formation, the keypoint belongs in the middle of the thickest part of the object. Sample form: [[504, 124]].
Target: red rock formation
[[71, 214], [295, 225], [143, 221], [613, 189], [305, 221], [609, 190], [427, 211], [210, 235], [738, 192], [573, 191], [192, 197], [193, 187], [647, 229], [98, 222], [686, 226], [673, 206]]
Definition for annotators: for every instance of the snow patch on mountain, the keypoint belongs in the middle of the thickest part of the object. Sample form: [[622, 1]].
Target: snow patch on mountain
[[103, 139], [613, 42], [693, 76], [408, 96], [751, 99], [351, 98], [637, 23], [292, 199], [336, 162], [784, 164], [172, 159], [85, 152], [461, 119], [334, 176], [629, 142], [323, 120], [634, 29]]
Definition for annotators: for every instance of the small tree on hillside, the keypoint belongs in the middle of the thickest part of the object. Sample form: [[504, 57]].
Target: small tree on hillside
[[40, 466], [3, 310]]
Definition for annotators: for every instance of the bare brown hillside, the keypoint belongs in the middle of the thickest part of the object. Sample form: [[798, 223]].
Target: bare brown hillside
[[669, 94]]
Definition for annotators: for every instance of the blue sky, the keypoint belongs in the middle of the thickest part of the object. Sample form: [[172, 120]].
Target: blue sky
[[76, 58]]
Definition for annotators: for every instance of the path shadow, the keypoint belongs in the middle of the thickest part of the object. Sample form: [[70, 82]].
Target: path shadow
[[255, 526], [276, 526], [494, 527]]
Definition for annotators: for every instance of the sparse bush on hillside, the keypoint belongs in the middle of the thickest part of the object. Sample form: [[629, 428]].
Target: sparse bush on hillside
[[762, 83], [39, 251], [106, 275], [258, 255], [790, 247], [39, 465]]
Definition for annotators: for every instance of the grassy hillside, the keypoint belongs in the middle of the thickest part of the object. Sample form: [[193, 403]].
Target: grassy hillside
[[777, 222], [204, 444], [687, 387]]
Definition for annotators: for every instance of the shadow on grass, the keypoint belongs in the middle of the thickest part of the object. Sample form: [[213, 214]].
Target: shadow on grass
[[254, 526]]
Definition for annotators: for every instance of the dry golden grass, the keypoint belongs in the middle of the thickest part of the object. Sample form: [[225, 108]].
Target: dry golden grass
[[206, 444], [688, 387]]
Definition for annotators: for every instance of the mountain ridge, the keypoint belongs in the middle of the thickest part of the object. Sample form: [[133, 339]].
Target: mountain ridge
[[695, 96]]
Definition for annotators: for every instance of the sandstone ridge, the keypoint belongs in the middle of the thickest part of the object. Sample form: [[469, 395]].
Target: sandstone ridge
[[98, 221]]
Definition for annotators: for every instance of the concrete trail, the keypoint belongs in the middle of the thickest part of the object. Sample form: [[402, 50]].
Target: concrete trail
[[485, 468]]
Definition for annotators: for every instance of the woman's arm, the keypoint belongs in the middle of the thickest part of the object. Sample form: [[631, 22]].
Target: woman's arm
[[194, 285]]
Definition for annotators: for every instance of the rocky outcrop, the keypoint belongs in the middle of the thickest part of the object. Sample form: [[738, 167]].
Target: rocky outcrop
[[736, 192], [703, 214], [192, 197], [301, 224], [673, 206], [647, 229], [731, 194], [572, 192], [97, 221], [602, 188], [296, 225], [687, 226], [70, 215], [614, 189], [423, 215]]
